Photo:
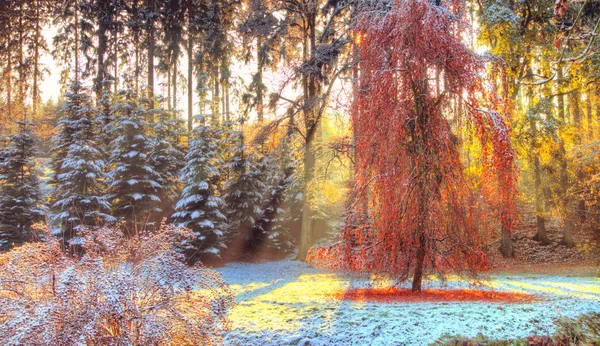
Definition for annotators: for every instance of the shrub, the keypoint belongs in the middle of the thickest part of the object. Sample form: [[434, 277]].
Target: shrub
[[122, 291]]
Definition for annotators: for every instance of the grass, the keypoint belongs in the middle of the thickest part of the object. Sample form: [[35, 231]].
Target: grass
[[585, 330]]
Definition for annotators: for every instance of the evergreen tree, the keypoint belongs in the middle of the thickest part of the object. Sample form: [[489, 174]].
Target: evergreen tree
[[69, 114], [271, 229], [80, 191], [244, 193], [199, 208], [168, 158], [134, 184], [20, 196]]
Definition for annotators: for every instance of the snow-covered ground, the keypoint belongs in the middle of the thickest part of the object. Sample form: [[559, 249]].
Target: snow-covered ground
[[289, 303]]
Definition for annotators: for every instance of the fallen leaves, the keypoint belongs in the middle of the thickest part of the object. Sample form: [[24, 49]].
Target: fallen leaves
[[404, 295]]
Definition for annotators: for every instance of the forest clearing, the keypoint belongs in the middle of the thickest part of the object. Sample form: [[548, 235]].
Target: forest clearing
[[299, 172], [274, 308]]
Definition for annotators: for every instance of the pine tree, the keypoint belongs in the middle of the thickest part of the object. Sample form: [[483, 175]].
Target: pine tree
[[168, 158], [271, 229], [244, 193], [134, 184], [76, 100], [20, 196], [199, 208], [80, 191]]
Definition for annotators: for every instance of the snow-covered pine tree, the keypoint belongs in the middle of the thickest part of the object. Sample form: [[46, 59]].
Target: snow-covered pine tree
[[105, 122], [20, 196], [134, 188], [168, 158], [81, 202], [199, 208], [271, 230], [76, 99], [243, 194]]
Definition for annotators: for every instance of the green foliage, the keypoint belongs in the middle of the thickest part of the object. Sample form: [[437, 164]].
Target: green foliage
[[168, 158], [20, 197], [199, 208], [81, 202], [134, 183]]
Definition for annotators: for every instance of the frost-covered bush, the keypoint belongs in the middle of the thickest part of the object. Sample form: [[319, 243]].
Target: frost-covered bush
[[123, 291]]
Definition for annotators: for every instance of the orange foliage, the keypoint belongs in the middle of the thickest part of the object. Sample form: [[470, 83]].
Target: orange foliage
[[416, 212], [398, 295]]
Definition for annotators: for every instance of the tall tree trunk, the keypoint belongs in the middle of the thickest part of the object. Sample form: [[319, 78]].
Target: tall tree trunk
[[9, 80], [21, 102], [306, 233], [534, 161], [216, 99], [190, 53], [101, 51], [227, 99], [175, 58], [36, 60], [169, 104], [259, 82], [150, 5], [225, 115], [116, 57], [310, 123], [588, 113], [567, 223], [541, 234], [136, 45], [76, 42]]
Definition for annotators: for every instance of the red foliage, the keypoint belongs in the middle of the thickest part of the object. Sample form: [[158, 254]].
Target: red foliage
[[560, 8], [415, 211], [397, 295]]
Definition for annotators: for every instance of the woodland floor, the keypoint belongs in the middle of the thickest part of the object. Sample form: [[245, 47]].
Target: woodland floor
[[292, 303]]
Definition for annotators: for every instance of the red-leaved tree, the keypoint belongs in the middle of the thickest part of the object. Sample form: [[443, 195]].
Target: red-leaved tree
[[416, 212]]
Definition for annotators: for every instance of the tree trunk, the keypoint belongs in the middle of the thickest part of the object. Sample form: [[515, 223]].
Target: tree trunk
[[227, 99], [225, 115], [567, 224], [100, 52], [150, 4], [175, 58], [534, 160], [588, 113], [507, 248], [116, 55], [418, 273], [540, 235], [136, 44], [9, 80], [310, 123], [76, 43], [259, 82], [216, 100], [190, 53], [36, 59], [306, 234], [21, 64]]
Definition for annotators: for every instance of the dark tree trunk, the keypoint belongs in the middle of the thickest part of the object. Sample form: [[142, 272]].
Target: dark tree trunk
[[190, 90], [36, 58], [259, 81], [418, 273], [311, 89], [567, 223], [175, 83], [150, 5], [101, 51]]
